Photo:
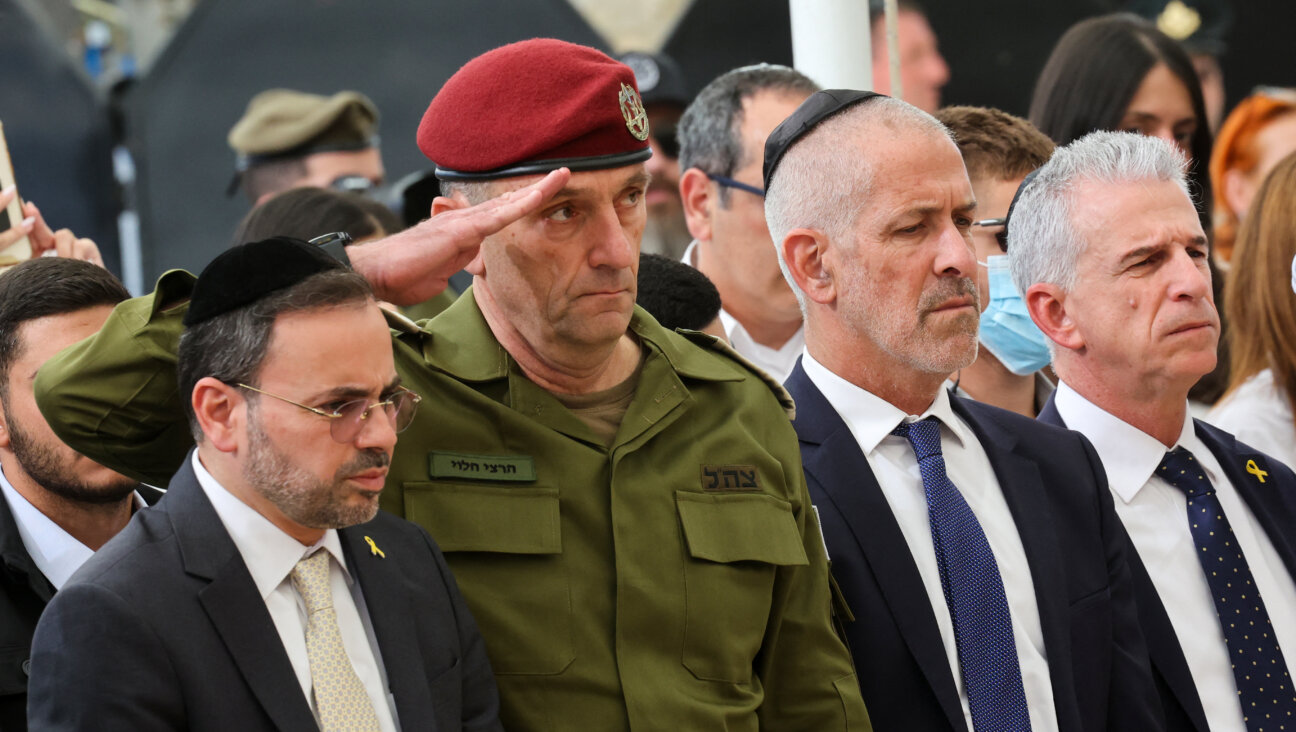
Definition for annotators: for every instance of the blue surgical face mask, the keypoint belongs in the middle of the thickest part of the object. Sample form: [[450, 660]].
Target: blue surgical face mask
[[1006, 328]]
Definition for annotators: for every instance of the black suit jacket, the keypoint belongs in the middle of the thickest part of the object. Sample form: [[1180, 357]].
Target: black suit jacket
[[24, 592], [1057, 493], [164, 629], [1274, 505]]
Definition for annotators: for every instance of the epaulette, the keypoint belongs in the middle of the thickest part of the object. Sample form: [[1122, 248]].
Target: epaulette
[[720, 345]]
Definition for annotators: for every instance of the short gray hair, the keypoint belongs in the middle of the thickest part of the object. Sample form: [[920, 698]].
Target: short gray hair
[[1043, 241], [710, 132], [820, 185], [474, 191]]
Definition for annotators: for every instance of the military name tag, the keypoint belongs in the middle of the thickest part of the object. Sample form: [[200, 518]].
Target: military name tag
[[730, 478], [518, 468]]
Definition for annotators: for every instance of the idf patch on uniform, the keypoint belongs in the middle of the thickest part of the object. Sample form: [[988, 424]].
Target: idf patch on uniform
[[463, 466], [730, 478]]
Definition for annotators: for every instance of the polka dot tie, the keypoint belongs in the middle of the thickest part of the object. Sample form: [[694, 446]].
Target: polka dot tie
[[341, 702], [1264, 684], [974, 593]]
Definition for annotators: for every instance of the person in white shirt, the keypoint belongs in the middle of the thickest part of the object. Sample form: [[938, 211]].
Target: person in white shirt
[[58, 507], [265, 591], [722, 137], [977, 550], [1110, 253], [1260, 404]]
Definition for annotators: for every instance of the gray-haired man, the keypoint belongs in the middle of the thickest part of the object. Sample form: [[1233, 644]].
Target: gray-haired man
[[1106, 245]]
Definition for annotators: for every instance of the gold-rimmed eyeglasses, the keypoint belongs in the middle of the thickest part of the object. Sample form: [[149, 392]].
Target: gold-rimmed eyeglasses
[[347, 418]]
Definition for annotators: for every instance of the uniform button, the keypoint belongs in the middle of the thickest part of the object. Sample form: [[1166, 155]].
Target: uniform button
[[26, 667]]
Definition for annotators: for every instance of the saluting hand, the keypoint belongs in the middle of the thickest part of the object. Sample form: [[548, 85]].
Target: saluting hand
[[416, 264]]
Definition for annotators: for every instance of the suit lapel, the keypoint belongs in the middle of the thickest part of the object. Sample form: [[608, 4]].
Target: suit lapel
[[1276, 516], [392, 615], [832, 457], [1026, 495], [236, 609]]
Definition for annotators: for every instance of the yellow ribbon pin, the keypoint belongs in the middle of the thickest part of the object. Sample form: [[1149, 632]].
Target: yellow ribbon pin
[[1255, 470], [373, 548]]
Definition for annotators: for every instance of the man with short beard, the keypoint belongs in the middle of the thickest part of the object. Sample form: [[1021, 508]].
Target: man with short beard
[[978, 551], [59, 507], [265, 591]]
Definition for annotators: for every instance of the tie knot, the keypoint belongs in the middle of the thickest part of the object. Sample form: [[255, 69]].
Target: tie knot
[[923, 435], [1180, 469], [311, 578]]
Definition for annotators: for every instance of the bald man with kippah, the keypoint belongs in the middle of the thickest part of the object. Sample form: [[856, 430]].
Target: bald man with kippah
[[623, 506], [291, 139]]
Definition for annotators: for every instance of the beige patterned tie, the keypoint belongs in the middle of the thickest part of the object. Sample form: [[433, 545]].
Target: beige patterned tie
[[340, 699]]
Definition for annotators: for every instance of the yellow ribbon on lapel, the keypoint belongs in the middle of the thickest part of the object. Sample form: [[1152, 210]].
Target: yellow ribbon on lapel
[[1252, 468], [373, 548]]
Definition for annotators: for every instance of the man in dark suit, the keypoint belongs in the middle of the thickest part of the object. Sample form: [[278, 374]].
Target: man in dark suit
[[56, 506], [264, 592], [1108, 249], [977, 551]]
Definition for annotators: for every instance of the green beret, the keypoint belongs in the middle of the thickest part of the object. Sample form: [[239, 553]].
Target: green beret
[[283, 123]]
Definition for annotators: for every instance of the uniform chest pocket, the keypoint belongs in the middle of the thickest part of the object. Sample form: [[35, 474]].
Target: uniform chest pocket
[[735, 542], [504, 545]]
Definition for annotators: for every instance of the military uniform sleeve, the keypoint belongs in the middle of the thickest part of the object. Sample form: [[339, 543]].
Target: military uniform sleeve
[[113, 396], [805, 668]]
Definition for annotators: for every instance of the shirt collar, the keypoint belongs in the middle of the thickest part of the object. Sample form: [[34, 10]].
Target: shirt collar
[[55, 552], [871, 418], [1129, 455], [269, 553]]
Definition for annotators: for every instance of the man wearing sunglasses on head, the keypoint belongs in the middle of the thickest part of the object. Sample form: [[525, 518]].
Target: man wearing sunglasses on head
[[722, 143], [267, 592]]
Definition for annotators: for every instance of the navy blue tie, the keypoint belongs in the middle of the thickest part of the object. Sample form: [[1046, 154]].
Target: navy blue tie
[[974, 593], [1264, 684]]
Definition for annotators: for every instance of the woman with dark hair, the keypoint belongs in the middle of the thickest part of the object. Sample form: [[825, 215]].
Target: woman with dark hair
[[1118, 72], [1258, 300]]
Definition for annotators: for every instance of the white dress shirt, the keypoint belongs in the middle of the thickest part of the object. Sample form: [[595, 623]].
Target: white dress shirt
[[1155, 514], [270, 555], [870, 420], [55, 552], [1258, 414], [777, 362]]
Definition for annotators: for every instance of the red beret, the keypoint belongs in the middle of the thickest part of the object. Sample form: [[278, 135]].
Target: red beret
[[532, 107]]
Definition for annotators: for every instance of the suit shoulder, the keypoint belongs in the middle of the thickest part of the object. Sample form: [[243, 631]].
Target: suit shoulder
[[1030, 432], [144, 546]]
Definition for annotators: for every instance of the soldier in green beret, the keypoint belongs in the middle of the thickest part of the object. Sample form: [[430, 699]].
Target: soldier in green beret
[[291, 139], [623, 506]]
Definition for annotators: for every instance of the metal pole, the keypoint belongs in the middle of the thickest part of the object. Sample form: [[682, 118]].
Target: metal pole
[[831, 42], [892, 12]]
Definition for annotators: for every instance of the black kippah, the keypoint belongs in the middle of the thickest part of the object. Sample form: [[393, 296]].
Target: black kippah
[[248, 272], [818, 107]]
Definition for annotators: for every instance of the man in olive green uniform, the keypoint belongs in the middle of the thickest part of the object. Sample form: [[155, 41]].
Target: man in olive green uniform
[[622, 506]]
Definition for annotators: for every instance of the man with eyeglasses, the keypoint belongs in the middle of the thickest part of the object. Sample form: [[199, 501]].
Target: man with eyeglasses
[[622, 505], [266, 591], [722, 142], [999, 150]]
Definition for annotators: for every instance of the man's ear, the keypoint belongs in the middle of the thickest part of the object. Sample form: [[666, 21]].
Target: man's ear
[[1046, 303], [217, 407], [5, 440], [806, 252], [699, 201]]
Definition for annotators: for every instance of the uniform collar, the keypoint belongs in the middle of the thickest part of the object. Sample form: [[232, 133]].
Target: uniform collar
[[464, 347]]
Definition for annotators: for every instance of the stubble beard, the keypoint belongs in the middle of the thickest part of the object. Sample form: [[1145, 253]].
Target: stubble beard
[[50, 471], [300, 495]]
